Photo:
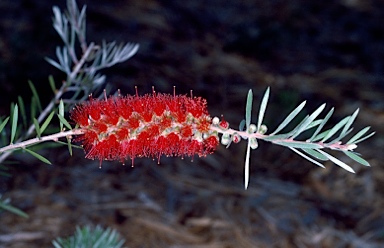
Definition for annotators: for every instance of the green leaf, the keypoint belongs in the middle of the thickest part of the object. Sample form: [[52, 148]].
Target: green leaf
[[65, 144], [22, 110], [358, 135], [336, 128], [289, 118], [34, 93], [276, 137], [308, 121], [341, 136], [364, 138], [47, 121], [357, 158], [12, 209], [61, 113], [12, 108], [2, 125], [248, 109], [337, 161], [52, 84], [15, 117], [246, 165], [320, 136], [314, 124], [69, 146], [86, 237], [322, 124], [242, 125], [64, 121], [38, 156], [55, 64], [294, 130], [348, 124], [315, 154], [37, 127], [298, 144], [263, 107], [306, 157], [33, 107]]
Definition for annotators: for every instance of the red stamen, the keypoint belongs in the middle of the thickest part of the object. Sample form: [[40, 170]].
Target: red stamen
[[118, 128]]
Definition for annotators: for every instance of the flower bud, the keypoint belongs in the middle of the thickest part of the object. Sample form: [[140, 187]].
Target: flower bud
[[236, 138], [253, 143], [252, 128], [263, 129], [215, 120], [225, 139], [224, 125]]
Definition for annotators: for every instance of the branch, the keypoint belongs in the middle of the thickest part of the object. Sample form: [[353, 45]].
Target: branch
[[52, 137]]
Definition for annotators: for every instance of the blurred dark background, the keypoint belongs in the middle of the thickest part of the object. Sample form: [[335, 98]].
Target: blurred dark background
[[320, 51]]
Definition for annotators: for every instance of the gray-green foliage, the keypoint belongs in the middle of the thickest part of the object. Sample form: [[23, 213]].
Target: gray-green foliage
[[81, 62], [87, 237], [311, 148], [83, 76]]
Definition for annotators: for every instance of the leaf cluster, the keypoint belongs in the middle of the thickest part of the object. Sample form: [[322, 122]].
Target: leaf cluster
[[82, 71], [81, 63], [312, 148], [87, 237]]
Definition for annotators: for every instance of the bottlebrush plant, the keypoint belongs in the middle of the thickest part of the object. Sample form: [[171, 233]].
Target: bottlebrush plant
[[151, 125]]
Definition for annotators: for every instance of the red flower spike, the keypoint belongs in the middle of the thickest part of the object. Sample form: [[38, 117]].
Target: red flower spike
[[153, 125], [186, 131]]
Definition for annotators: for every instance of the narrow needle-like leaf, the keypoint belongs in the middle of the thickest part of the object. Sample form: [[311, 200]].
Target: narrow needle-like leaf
[[64, 121], [38, 156], [14, 122], [242, 125], [69, 146], [306, 157], [2, 125], [357, 158], [336, 128], [289, 118], [37, 127], [308, 121], [314, 123], [276, 137], [12, 209], [297, 144], [315, 154], [364, 138], [248, 109], [33, 107], [263, 107], [246, 166], [348, 124], [52, 84], [358, 135], [22, 110], [322, 124], [34, 93], [336, 161], [47, 121], [61, 113]]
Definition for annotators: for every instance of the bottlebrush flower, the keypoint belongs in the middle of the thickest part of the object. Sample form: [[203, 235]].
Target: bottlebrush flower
[[152, 125]]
